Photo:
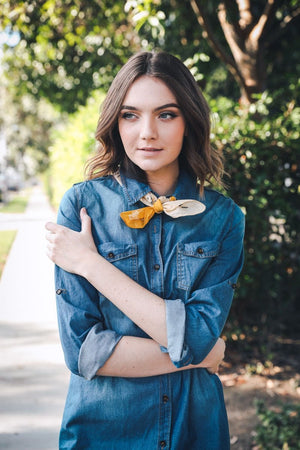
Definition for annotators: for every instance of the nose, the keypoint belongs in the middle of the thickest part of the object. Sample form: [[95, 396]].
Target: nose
[[148, 129]]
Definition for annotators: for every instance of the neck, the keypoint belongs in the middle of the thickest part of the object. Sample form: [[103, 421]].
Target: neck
[[163, 185]]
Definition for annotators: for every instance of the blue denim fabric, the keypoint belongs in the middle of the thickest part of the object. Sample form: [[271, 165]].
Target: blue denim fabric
[[193, 263]]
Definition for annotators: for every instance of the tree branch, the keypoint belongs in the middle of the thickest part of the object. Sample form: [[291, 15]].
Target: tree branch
[[236, 25], [284, 24], [210, 35], [233, 38], [246, 17], [288, 19], [257, 31]]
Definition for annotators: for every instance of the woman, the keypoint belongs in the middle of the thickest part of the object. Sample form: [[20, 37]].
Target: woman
[[147, 260]]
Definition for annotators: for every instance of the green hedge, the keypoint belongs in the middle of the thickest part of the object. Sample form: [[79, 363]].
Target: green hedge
[[261, 148]]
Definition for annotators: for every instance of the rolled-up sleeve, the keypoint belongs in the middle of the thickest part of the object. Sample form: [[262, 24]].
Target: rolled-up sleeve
[[194, 325], [86, 342]]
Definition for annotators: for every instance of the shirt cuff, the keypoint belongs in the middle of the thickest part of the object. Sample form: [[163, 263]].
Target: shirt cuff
[[95, 350], [175, 317]]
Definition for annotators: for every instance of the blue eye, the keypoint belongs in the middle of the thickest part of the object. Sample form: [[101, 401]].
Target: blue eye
[[167, 115], [128, 115]]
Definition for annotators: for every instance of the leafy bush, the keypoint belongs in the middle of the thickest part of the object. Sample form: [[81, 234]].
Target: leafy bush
[[262, 157], [279, 428]]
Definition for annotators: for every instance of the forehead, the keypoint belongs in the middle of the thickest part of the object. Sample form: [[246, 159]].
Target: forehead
[[148, 89]]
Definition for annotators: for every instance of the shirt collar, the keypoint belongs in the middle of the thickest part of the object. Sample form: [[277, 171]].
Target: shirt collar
[[186, 187], [133, 189]]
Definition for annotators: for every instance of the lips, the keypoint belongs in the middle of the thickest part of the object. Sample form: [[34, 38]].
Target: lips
[[150, 149]]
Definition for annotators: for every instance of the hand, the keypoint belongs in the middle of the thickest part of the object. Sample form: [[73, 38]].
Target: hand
[[216, 356], [70, 249]]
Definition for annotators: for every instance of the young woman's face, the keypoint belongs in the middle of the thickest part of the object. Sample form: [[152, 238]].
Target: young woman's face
[[152, 126]]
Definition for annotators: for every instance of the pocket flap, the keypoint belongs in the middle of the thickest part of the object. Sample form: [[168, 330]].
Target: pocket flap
[[201, 249], [114, 252]]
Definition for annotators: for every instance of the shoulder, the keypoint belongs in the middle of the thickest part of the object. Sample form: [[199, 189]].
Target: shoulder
[[223, 205], [107, 182], [85, 188], [88, 192]]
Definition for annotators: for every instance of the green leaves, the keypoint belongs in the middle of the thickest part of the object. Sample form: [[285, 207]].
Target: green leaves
[[144, 12], [262, 158], [72, 144], [279, 428], [66, 49]]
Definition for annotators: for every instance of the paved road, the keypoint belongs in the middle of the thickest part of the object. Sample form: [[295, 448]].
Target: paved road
[[33, 377]]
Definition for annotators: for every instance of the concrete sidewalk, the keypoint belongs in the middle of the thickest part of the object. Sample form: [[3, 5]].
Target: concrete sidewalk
[[33, 377]]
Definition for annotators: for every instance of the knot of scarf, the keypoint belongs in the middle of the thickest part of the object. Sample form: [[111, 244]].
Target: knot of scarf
[[138, 218]]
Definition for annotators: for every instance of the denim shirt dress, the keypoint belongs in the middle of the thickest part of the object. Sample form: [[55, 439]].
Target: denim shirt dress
[[193, 263]]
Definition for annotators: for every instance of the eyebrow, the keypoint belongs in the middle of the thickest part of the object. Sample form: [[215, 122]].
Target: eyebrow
[[167, 105]]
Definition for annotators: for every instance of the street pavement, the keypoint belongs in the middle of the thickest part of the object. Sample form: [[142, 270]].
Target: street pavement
[[33, 376]]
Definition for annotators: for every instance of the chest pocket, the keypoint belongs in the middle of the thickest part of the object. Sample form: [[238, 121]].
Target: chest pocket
[[123, 256], [193, 260]]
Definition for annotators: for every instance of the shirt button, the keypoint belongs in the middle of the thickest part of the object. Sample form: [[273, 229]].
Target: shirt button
[[111, 255], [163, 444], [165, 399], [59, 291], [156, 266], [200, 250]]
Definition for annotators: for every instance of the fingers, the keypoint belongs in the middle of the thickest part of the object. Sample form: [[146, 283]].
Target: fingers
[[213, 369], [85, 221], [52, 229], [50, 236], [51, 226]]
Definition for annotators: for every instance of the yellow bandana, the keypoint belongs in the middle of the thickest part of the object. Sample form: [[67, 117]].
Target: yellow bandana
[[138, 218]]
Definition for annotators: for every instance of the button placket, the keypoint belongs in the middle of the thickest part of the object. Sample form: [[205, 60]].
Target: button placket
[[165, 399], [165, 412], [156, 259]]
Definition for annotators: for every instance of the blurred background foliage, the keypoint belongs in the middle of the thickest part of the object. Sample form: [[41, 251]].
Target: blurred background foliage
[[58, 58], [72, 145]]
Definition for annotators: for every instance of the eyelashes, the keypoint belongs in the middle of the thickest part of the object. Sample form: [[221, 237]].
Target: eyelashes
[[128, 115], [166, 115]]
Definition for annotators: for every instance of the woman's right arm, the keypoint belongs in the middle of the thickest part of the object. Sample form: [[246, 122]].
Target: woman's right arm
[[91, 349], [140, 357]]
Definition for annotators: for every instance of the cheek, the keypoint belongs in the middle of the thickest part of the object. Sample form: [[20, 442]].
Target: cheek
[[126, 134], [178, 137], [123, 136]]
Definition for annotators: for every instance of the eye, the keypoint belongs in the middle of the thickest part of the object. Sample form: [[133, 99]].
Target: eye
[[128, 115], [167, 115]]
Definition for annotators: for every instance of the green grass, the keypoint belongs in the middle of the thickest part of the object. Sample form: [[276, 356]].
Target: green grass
[[17, 204], [7, 238]]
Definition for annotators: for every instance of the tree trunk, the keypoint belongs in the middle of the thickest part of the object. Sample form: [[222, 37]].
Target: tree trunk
[[244, 38], [246, 47]]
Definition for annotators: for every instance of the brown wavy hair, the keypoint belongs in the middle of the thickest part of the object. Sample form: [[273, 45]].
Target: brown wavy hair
[[197, 155]]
